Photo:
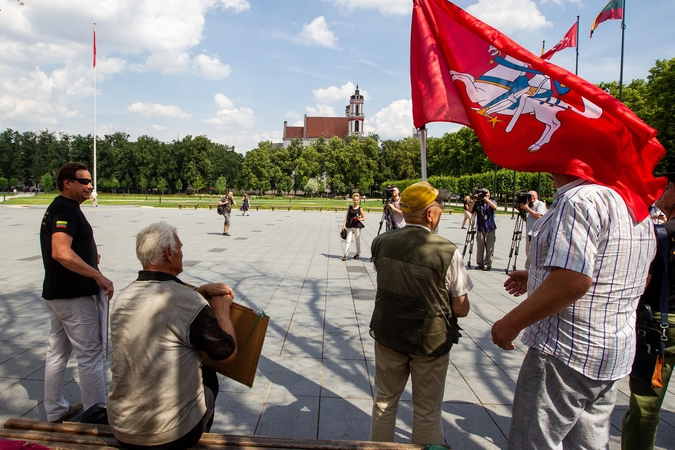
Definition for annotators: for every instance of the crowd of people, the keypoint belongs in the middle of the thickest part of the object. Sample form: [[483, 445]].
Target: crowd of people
[[589, 263]]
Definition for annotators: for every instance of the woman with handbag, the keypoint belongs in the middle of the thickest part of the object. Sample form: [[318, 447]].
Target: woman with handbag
[[353, 224]]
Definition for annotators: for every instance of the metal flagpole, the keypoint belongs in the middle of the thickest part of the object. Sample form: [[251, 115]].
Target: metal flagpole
[[423, 145], [543, 47], [623, 32], [576, 67], [95, 178]]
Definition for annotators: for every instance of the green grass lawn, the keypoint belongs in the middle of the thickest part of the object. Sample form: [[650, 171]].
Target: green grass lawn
[[203, 201]]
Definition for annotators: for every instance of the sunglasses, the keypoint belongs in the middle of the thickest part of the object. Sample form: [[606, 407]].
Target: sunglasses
[[84, 181]]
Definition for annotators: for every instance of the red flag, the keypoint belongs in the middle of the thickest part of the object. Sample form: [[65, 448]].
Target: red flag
[[528, 114], [612, 11], [94, 47], [569, 40]]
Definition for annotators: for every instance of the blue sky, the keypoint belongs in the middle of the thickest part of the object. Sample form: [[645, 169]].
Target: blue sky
[[234, 70]]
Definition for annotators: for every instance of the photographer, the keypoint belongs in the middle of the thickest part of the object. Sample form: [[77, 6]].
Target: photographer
[[397, 220], [534, 208], [485, 227]]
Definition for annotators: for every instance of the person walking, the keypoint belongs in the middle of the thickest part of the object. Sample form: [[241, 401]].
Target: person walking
[[227, 202], [467, 211], [71, 289], [244, 205], [353, 224]]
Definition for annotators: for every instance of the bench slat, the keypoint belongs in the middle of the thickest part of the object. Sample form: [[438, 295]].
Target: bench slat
[[101, 435]]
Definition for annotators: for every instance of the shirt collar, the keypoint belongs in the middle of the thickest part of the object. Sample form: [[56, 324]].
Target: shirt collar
[[152, 275], [417, 226], [562, 189]]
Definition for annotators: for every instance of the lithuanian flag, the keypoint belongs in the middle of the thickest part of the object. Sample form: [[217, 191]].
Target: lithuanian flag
[[613, 11]]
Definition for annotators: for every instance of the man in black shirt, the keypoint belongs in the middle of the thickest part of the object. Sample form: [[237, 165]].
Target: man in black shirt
[[71, 289], [642, 418]]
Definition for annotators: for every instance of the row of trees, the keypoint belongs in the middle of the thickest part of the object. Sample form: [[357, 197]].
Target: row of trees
[[339, 165]]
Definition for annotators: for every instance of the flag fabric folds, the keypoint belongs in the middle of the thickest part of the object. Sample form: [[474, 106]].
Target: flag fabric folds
[[569, 40], [528, 114], [612, 11], [94, 47]]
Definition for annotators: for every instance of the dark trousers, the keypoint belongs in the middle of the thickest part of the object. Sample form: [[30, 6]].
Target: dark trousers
[[210, 380]]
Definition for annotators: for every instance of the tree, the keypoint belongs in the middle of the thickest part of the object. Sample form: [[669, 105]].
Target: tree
[[161, 185], [179, 185], [47, 182], [220, 186], [311, 187], [3, 183], [661, 101]]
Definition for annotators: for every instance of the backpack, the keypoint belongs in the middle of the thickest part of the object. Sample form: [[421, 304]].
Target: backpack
[[221, 209]]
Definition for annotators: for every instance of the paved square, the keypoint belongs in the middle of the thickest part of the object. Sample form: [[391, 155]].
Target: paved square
[[315, 378]]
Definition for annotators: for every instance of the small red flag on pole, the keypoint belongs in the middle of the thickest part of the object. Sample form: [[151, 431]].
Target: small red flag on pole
[[569, 40]]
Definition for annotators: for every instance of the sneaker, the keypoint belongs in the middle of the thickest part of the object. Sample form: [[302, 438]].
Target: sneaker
[[486, 268], [344, 258], [73, 410], [356, 256], [226, 234]]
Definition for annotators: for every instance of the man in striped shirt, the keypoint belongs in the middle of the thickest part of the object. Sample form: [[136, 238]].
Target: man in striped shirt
[[590, 260]]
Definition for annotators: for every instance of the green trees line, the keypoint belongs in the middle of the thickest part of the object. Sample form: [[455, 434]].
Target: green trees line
[[341, 165]]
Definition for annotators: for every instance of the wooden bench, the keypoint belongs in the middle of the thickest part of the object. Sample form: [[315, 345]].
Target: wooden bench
[[287, 208], [83, 436], [187, 205], [305, 208]]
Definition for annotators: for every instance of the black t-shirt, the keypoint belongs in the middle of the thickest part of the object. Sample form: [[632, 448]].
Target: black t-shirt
[[65, 216], [652, 295], [351, 217]]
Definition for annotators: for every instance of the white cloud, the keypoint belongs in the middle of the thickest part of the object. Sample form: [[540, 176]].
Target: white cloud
[[385, 7], [230, 116], [318, 33], [510, 15], [157, 127], [393, 121], [211, 68], [237, 5], [334, 94], [321, 111], [157, 110]]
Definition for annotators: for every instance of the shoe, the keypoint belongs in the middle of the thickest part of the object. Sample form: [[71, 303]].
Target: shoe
[[463, 228], [480, 267], [226, 234], [486, 268], [73, 410], [344, 258], [356, 256]]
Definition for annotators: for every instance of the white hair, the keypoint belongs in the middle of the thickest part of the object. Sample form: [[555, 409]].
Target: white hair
[[152, 240]]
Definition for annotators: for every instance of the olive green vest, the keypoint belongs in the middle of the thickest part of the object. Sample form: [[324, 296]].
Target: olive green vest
[[412, 307]]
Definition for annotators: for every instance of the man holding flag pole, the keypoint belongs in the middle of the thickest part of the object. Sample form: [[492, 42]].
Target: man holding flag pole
[[590, 253]]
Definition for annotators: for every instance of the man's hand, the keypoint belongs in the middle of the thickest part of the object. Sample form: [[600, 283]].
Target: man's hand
[[516, 284], [212, 290], [503, 335], [106, 285]]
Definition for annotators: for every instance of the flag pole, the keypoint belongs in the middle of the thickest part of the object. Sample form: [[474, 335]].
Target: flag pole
[[543, 47], [423, 145], [576, 67], [95, 178], [623, 32]]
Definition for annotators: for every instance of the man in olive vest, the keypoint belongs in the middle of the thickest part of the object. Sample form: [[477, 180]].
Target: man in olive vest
[[422, 288]]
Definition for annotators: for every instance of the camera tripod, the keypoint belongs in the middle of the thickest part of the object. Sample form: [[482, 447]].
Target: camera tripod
[[386, 219], [470, 237], [515, 240]]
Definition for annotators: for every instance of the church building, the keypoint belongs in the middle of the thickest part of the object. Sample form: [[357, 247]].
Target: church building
[[315, 127]]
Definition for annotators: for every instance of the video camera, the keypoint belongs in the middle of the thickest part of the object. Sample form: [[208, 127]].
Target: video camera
[[522, 197], [387, 194], [479, 195]]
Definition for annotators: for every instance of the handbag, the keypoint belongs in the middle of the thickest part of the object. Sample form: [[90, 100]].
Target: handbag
[[651, 343], [343, 234]]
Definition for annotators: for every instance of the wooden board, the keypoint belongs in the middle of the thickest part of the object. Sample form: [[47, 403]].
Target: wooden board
[[250, 328]]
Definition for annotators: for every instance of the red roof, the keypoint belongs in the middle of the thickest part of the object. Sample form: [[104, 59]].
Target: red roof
[[326, 127], [294, 132]]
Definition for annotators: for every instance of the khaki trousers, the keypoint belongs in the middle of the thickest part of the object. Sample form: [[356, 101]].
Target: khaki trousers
[[392, 370]]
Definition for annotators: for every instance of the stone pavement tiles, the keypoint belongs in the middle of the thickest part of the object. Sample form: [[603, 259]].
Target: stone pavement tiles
[[315, 378]]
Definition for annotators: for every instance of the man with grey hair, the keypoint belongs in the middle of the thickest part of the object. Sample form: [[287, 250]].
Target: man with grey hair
[[422, 288], [160, 394]]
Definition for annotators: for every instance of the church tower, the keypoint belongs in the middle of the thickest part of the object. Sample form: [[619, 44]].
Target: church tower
[[354, 112]]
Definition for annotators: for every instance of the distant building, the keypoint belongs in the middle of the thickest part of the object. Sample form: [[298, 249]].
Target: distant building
[[316, 127]]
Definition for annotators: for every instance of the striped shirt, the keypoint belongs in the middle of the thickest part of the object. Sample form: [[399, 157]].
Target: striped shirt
[[589, 230]]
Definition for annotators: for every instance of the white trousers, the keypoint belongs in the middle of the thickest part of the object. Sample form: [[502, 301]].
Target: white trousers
[[357, 237], [75, 326]]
